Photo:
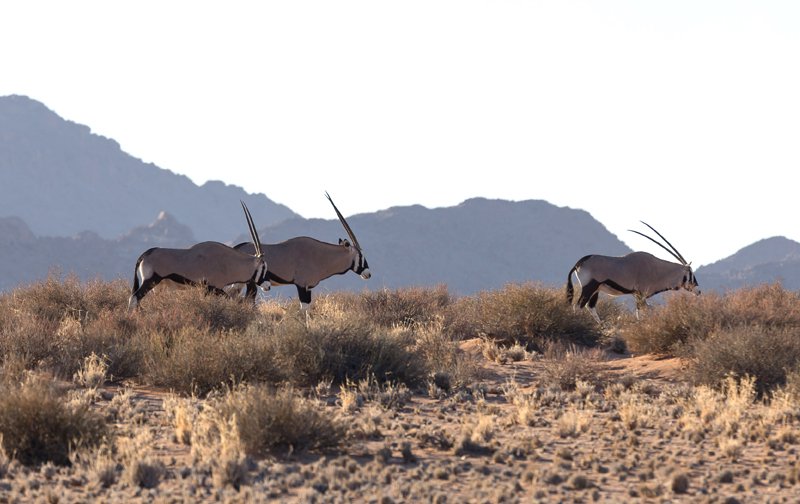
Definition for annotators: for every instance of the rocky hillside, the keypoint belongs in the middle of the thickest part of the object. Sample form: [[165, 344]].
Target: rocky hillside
[[479, 244], [775, 259], [61, 179]]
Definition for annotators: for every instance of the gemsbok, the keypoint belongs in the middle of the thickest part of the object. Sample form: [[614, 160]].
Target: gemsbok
[[640, 274], [211, 264], [304, 262]]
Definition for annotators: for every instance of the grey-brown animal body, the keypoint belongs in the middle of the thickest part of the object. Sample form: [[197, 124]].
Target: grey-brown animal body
[[639, 274], [304, 262], [211, 264]]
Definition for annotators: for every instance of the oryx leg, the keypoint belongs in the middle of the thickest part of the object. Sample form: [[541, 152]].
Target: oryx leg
[[592, 305], [305, 300], [146, 286], [589, 295], [252, 290], [641, 304]]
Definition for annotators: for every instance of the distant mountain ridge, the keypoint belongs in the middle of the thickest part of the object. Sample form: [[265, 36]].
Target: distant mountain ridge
[[62, 179], [775, 259], [476, 245], [74, 202]]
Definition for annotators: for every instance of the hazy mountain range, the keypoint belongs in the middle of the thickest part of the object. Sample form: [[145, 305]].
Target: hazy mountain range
[[73, 201]]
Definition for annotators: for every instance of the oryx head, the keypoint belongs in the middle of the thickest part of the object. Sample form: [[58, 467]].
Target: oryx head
[[261, 272], [360, 265], [689, 281]]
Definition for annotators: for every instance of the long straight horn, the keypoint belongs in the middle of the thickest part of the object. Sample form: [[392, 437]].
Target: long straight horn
[[344, 223], [677, 254], [253, 232], [673, 254]]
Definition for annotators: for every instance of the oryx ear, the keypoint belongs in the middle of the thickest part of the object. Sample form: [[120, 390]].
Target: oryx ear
[[344, 242]]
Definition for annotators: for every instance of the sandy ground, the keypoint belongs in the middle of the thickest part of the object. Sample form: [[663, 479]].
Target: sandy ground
[[479, 447]]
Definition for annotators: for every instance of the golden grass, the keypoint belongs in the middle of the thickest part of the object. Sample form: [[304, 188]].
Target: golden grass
[[39, 424]]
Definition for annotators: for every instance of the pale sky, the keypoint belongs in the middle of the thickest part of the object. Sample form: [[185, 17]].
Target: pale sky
[[684, 114]]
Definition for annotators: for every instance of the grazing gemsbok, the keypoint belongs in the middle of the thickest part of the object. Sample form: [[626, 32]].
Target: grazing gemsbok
[[305, 262], [211, 264], [639, 273]]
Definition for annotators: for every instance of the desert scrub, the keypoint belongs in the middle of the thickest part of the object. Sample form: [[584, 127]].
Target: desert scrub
[[684, 319], [406, 306], [199, 360], [447, 367], [37, 425], [565, 365], [343, 348], [54, 298], [666, 328], [526, 313], [261, 419], [765, 353]]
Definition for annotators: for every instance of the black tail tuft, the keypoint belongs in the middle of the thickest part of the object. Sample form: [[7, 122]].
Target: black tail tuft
[[570, 292]]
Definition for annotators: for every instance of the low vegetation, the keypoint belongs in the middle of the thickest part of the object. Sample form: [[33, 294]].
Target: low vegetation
[[391, 394]]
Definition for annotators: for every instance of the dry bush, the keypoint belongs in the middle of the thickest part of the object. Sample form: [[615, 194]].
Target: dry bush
[[448, 367], [767, 305], [168, 309], [406, 306], [38, 425], [268, 420], [341, 348], [55, 325], [565, 365], [683, 318], [527, 313], [198, 360], [766, 353]]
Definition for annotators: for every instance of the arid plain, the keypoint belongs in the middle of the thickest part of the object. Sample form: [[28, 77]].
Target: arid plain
[[397, 396]]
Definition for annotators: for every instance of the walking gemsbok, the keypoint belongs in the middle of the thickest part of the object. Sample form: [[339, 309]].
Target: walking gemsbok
[[212, 264], [305, 262], [639, 273]]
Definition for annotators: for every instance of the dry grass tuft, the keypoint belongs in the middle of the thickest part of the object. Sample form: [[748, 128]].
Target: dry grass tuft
[[140, 467], [267, 419], [99, 463], [476, 435], [566, 365], [92, 373], [38, 424], [573, 422]]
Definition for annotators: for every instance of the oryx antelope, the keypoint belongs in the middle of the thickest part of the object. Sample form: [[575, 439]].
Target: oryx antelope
[[305, 262], [640, 274], [212, 264]]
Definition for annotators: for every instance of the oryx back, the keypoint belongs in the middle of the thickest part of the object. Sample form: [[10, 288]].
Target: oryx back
[[192, 265], [305, 261]]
